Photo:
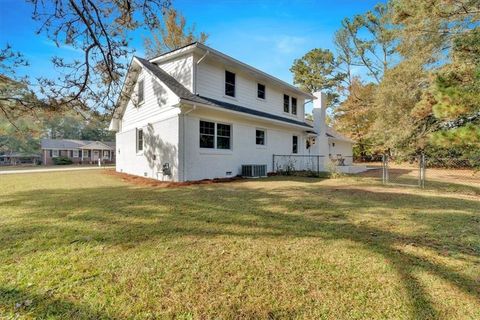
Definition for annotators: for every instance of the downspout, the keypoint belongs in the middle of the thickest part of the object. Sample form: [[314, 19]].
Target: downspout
[[183, 140]]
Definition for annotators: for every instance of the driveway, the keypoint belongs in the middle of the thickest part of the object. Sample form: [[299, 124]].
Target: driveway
[[35, 169]]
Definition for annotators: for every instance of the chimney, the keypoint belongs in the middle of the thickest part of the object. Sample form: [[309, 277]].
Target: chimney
[[319, 124], [319, 112]]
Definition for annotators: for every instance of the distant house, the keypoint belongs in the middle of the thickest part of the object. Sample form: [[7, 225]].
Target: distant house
[[196, 113], [18, 158], [79, 151]]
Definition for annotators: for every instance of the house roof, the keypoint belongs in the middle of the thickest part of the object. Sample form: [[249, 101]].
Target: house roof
[[19, 155], [71, 143], [332, 133], [204, 49], [185, 94]]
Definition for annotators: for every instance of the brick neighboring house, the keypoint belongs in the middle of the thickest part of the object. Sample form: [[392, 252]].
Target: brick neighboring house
[[79, 151]]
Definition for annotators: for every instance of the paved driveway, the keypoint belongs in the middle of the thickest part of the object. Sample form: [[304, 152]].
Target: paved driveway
[[32, 170]]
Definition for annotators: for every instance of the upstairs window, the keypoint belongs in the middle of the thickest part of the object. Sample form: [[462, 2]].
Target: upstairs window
[[286, 103], [141, 91], [215, 135], [260, 91], [260, 137], [294, 144], [139, 140], [294, 105], [229, 83]]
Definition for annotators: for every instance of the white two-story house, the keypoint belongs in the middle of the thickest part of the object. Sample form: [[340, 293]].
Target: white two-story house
[[196, 113]]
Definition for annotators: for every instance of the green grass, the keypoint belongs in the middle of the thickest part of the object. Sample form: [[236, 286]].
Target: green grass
[[89, 245]]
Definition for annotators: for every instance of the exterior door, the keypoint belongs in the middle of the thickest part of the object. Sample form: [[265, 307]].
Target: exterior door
[[95, 155]]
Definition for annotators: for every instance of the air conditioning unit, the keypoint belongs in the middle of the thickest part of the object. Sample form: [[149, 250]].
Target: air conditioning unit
[[254, 170]]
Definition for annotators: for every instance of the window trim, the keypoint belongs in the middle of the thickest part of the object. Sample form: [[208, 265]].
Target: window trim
[[296, 105], [294, 144], [137, 140], [264, 145], [283, 103], [234, 84], [75, 152], [57, 153], [215, 136], [142, 81], [264, 91]]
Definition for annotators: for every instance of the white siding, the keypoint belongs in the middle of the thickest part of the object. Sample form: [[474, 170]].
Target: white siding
[[210, 79], [181, 69], [342, 148], [212, 163], [160, 147], [158, 101]]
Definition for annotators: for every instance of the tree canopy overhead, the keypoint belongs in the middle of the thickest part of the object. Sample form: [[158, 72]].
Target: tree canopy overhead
[[419, 85]]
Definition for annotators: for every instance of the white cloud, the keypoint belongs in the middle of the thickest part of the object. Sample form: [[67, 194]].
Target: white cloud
[[289, 44]]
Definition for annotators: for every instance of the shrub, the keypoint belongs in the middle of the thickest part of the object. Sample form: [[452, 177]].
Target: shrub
[[62, 161]]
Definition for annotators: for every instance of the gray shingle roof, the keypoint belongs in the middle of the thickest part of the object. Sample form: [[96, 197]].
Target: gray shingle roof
[[69, 143], [185, 94]]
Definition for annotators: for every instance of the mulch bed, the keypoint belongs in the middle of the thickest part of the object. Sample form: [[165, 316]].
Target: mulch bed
[[142, 181]]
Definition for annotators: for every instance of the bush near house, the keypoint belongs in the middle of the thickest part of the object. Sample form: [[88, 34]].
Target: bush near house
[[62, 161]]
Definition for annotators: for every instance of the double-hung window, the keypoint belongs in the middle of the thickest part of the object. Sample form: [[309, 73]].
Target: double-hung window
[[139, 140], [54, 154], [229, 83], [215, 135], [260, 137], [260, 91], [294, 105], [286, 103], [75, 154], [294, 144], [141, 91]]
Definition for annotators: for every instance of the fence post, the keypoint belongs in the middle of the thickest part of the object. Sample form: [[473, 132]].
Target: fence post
[[422, 171], [273, 163], [383, 169]]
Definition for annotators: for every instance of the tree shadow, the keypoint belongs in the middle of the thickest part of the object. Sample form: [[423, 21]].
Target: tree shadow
[[127, 216], [161, 156], [18, 302]]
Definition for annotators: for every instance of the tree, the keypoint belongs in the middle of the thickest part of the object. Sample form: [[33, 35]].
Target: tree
[[368, 40], [318, 70], [355, 116], [172, 34], [99, 30]]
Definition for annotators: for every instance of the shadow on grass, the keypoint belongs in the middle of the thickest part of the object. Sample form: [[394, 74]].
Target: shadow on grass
[[42, 306], [127, 216]]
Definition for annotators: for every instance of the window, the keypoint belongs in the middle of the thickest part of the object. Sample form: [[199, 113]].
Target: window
[[260, 91], [141, 91], [223, 136], [75, 154], [294, 144], [215, 135], [294, 105], [54, 153], [229, 83], [105, 154], [139, 140], [286, 103], [260, 137], [207, 134]]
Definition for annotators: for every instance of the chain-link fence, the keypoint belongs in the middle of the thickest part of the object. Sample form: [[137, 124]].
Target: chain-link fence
[[422, 171], [298, 164]]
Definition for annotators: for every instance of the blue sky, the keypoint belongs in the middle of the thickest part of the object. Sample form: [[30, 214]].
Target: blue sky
[[268, 35]]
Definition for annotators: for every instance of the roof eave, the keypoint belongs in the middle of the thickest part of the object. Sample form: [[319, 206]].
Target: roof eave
[[186, 101]]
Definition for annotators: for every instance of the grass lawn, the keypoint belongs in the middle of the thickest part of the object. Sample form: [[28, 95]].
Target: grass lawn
[[89, 245]]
